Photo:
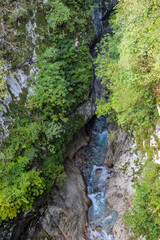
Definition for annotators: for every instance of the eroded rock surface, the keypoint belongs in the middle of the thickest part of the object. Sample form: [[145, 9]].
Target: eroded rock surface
[[64, 215], [121, 154]]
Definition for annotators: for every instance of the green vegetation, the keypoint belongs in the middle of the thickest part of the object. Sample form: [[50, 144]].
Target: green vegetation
[[130, 68], [132, 64], [60, 73], [17, 44], [44, 236], [144, 218], [3, 74], [42, 126]]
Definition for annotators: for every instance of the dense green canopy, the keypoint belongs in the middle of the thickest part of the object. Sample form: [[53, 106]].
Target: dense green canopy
[[132, 63], [32, 158], [129, 64]]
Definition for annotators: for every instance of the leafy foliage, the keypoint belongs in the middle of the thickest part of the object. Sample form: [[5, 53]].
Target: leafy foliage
[[131, 63], [19, 12], [130, 68], [144, 217], [33, 153], [21, 181], [62, 69], [3, 74]]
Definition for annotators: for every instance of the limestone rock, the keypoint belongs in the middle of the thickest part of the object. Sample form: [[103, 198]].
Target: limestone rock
[[79, 141], [121, 154], [65, 216]]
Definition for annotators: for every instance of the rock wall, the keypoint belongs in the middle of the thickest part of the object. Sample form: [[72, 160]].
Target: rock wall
[[65, 216], [64, 213], [121, 154]]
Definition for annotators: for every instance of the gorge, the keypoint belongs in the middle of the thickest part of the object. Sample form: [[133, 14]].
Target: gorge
[[49, 216], [65, 173]]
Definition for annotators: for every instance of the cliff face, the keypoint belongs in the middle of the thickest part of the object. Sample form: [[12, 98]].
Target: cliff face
[[20, 31], [123, 157], [63, 214], [128, 164]]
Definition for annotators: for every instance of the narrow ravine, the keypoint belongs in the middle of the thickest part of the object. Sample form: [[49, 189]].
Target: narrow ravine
[[62, 214], [101, 218]]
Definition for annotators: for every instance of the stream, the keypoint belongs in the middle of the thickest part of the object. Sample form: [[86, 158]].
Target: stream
[[101, 218]]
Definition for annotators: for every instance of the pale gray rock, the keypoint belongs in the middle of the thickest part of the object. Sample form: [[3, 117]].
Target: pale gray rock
[[87, 109], [64, 214], [121, 154], [117, 142], [65, 217], [80, 140]]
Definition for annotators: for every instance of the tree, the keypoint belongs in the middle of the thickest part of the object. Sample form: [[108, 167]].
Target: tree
[[130, 68]]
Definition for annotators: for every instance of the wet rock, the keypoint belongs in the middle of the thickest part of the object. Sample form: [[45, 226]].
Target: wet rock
[[109, 162], [98, 228], [64, 215], [98, 171], [100, 217]]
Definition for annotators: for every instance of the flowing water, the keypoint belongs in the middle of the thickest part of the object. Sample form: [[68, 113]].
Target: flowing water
[[101, 218]]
